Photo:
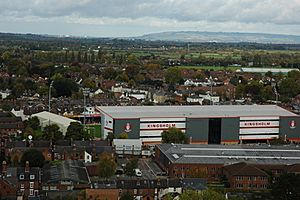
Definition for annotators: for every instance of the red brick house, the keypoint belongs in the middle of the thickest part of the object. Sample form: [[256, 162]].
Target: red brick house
[[25, 180], [246, 177]]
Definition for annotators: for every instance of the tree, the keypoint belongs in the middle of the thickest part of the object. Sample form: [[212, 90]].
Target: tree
[[278, 141], [34, 157], [109, 73], [130, 166], [210, 194], [72, 56], [203, 195], [287, 187], [268, 92], [33, 123], [110, 137], [85, 58], [123, 136], [76, 131], [288, 88], [79, 56], [131, 83], [89, 83], [64, 87], [106, 166], [190, 195], [173, 135], [132, 71], [173, 75], [254, 89], [52, 133], [126, 196], [92, 57], [269, 74]]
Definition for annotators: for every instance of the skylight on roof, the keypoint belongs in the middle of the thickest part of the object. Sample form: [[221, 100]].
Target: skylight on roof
[[175, 156]]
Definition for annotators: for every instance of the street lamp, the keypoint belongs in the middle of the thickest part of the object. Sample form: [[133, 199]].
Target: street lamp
[[211, 84], [49, 104], [86, 92]]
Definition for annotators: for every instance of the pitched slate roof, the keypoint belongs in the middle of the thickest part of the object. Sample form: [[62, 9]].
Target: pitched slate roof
[[69, 170], [244, 169]]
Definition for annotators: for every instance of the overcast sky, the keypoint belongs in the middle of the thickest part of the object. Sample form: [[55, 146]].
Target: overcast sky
[[115, 18]]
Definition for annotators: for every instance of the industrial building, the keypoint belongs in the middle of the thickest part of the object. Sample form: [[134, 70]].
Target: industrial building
[[217, 124], [265, 70], [244, 165], [47, 118]]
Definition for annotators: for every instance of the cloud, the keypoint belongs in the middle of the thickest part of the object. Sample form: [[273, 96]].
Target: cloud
[[160, 14]]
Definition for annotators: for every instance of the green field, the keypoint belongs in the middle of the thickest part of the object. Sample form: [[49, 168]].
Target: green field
[[216, 68], [94, 130]]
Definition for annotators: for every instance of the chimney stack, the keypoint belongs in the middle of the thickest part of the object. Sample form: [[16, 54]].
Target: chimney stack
[[27, 166]]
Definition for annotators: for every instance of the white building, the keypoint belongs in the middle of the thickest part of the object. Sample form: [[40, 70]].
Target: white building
[[47, 118], [214, 99], [128, 146], [265, 70], [19, 113], [195, 99], [5, 94]]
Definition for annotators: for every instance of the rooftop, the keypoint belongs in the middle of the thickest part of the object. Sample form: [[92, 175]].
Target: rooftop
[[54, 118], [265, 70], [69, 170], [231, 154], [194, 111]]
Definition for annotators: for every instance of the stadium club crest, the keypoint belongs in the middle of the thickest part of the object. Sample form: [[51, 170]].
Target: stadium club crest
[[127, 127], [292, 124]]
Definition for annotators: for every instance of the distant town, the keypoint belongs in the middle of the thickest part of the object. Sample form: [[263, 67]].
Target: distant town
[[101, 118]]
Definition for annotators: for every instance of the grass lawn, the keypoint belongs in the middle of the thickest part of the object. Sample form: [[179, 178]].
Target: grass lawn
[[94, 130], [209, 67]]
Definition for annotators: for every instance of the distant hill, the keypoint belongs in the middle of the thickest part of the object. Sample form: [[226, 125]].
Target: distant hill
[[221, 37]]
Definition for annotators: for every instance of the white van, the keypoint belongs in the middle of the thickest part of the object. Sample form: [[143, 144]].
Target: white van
[[138, 172]]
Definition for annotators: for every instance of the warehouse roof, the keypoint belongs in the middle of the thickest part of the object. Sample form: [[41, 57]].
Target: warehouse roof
[[230, 154], [194, 111], [265, 70], [58, 119]]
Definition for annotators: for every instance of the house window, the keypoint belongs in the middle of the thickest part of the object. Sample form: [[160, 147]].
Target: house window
[[45, 188], [22, 177], [263, 178], [249, 178], [31, 192], [32, 177], [69, 187], [53, 188], [31, 184], [22, 185]]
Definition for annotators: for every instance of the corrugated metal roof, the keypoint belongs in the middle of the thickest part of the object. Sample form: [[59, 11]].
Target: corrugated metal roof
[[194, 111], [230, 154], [54, 118], [265, 70]]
